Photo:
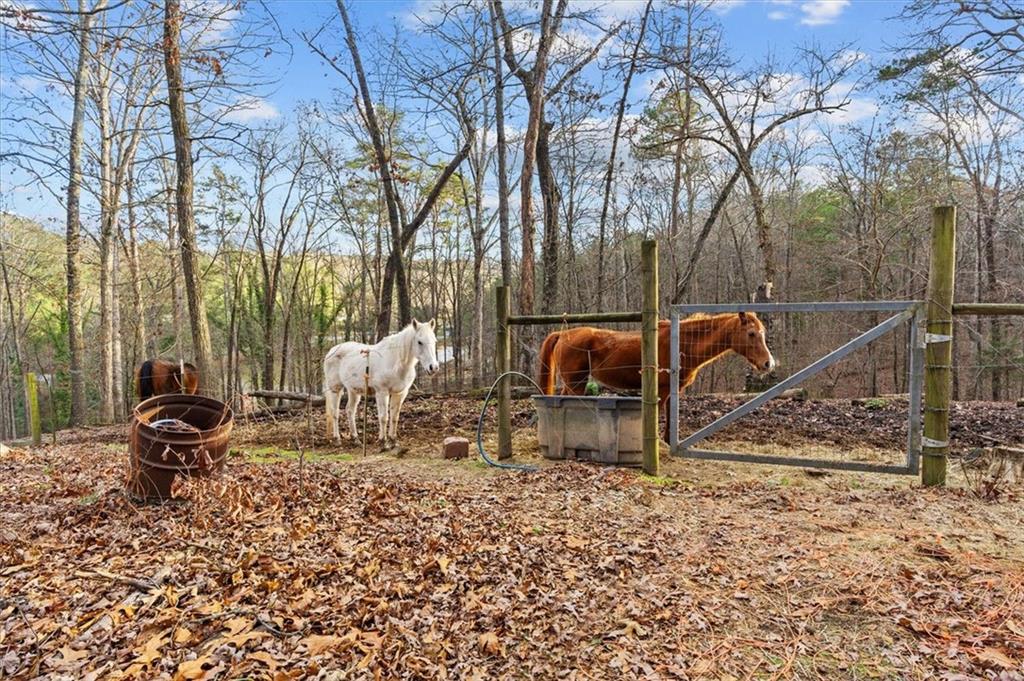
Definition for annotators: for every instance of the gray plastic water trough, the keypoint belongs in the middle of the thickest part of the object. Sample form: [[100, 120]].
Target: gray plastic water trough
[[603, 429]]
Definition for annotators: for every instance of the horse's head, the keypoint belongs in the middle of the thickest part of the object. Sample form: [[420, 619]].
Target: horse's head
[[424, 346], [747, 338]]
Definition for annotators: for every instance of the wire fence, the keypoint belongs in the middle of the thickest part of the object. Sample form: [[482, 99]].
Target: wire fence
[[847, 369]]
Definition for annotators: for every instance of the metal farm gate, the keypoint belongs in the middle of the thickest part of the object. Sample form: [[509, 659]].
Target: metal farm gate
[[904, 312]]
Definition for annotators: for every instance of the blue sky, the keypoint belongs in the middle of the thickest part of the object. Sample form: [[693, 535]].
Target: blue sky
[[751, 30]]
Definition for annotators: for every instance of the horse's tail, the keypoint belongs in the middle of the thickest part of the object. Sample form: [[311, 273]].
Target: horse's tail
[[546, 378], [144, 380]]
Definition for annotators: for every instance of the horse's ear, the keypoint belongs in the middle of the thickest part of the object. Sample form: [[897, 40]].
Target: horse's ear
[[432, 325], [415, 324], [744, 318]]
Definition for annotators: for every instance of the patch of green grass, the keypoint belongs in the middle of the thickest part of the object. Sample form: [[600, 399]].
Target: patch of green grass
[[88, 499], [113, 446], [276, 454], [659, 480], [875, 403]]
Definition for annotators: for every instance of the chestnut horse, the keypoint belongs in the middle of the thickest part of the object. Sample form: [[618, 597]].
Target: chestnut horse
[[160, 377], [612, 358]]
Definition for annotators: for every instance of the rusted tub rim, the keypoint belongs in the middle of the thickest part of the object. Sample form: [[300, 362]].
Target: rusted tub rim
[[227, 417]]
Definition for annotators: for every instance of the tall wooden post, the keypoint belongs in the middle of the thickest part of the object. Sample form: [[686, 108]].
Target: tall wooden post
[[502, 362], [938, 356], [649, 355], [32, 390]]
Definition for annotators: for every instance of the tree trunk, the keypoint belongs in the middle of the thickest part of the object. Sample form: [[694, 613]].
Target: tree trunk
[[186, 223], [173, 257], [107, 199], [76, 347], [118, 349], [499, 122], [551, 196], [992, 290], [764, 235], [139, 349]]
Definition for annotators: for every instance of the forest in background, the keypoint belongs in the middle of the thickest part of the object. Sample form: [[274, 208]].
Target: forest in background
[[517, 146]]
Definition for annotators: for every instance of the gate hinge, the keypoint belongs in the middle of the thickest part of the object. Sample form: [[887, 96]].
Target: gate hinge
[[937, 338]]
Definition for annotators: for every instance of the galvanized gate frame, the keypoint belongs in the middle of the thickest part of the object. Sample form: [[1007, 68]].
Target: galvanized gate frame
[[912, 311]]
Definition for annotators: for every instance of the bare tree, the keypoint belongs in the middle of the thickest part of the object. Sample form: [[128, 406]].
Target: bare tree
[[201, 347], [743, 108], [502, 151], [610, 170], [978, 43], [402, 230], [536, 142], [73, 240]]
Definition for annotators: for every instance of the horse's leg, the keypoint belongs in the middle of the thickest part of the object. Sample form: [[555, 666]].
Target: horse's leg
[[574, 379], [383, 405], [574, 369], [662, 404], [396, 407], [332, 400], [352, 408]]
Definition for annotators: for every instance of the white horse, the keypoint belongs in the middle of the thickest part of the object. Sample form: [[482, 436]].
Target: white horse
[[388, 368]]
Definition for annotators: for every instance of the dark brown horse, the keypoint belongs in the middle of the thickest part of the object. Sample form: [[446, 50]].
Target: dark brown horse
[[160, 377], [612, 358]]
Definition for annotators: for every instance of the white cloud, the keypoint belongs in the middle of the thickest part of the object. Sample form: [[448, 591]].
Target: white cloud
[[252, 109], [851, 57], [821, 12], [813, 175], [777, 15], [726, 6], [858, 109]]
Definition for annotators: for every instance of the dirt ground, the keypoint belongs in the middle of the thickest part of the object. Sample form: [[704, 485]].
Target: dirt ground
[[333, 565]]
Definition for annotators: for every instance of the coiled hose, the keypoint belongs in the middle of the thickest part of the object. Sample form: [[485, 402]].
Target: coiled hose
[[480, 427]]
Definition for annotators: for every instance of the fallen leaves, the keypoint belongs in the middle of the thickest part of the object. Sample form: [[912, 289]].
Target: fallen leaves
[[318, 644], [150, 650], [490, 644], [384, 569], [996, 658]]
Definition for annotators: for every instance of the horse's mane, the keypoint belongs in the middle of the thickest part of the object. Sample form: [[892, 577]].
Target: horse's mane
[[704, 315], [404, 344], [703, 320]]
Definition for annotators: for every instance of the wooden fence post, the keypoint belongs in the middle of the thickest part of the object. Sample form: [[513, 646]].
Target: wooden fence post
[[649, 355], [503, 361], [32, 390], [938, 357]]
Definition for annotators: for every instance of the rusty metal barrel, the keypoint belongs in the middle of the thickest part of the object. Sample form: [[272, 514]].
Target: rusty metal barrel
[[176, 434]]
